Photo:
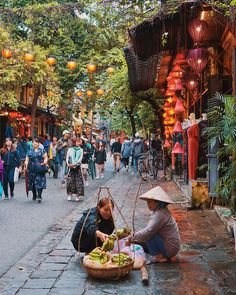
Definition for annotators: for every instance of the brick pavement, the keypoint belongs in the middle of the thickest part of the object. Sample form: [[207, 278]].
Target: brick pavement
[[206, 263]]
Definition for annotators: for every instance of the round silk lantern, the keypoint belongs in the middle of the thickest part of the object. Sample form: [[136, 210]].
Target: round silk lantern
[[198, 29], [197, 59]]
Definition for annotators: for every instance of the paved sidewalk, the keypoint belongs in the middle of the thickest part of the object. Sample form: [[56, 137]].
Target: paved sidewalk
[[206, 262]]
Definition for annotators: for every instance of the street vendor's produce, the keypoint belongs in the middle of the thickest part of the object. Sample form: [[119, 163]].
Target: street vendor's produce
[[121, 233], [121, 259], [99, 255]]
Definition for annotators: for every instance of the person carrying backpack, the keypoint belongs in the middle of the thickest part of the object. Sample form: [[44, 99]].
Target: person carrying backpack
[[137, 150], [126, 152]]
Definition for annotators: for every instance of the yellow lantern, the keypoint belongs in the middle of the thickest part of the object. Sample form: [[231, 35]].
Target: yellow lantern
[[51, 61], [100, 91], [89, 93], [164, 115], [79, 93], [170, 99], [6, 53], [91, 68], [110, 71], [50, 93], [28, 57], [171, 111], [71, 65]]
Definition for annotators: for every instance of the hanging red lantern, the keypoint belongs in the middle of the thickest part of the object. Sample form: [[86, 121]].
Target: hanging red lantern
[[178, 149], [6, 53], [71, 65], [172, 111], [167, 131], [198, 29], [169, 93], [178, 128], [170, 99], [51, 61], [28, 57], [191, 81], [167, 144], [179, 108], [91, 68], [179, 86], [197, 59]]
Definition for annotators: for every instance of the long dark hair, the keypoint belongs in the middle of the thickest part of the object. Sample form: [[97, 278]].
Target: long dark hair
[[104, 201], [4, 149]]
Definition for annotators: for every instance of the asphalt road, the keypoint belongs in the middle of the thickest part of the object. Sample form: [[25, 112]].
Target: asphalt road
[[24, 222]]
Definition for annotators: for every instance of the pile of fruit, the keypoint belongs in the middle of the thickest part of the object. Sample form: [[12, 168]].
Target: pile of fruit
[[102, 258]]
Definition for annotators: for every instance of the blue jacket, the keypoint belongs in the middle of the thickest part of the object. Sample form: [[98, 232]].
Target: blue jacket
[[88, 239], [11, 159], [22, 149]]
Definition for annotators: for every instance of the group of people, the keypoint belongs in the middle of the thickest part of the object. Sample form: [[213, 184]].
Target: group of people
[[67, 158]]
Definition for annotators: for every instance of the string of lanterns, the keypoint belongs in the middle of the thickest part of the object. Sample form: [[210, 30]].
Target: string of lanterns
[[71, 65], [173, 108]]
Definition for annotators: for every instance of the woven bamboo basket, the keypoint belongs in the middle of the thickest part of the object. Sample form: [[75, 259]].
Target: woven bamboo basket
[[111, 273]]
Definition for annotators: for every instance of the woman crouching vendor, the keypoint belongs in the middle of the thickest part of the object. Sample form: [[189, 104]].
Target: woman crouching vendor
[[98, 226], [161, 235]]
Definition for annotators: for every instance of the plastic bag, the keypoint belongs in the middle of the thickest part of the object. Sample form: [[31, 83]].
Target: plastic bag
[[134, 250], [16, 174]]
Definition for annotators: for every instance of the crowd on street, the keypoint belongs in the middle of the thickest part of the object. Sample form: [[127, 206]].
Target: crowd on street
[[71, 159]]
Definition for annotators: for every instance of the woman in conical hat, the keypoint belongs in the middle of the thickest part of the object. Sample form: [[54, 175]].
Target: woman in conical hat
[[161, 235]]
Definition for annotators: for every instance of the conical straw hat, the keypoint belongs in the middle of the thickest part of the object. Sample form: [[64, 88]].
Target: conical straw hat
[[158, 194]]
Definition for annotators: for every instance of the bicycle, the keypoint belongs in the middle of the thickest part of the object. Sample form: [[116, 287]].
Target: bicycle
[[145, 165]]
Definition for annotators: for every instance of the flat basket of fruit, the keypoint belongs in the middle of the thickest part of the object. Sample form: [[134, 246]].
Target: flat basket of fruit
[[104, 265]]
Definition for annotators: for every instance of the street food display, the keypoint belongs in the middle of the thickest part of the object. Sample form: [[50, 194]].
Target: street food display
[[102, 263]]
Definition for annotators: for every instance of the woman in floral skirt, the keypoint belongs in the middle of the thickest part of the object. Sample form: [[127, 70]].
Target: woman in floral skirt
[[75, 183]]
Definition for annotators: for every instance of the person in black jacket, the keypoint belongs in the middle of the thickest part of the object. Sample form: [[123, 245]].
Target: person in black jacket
[[116, 151], [100, 159], [96, 224], [11, 159]]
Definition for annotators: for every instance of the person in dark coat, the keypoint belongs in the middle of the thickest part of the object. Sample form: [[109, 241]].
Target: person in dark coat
[[11, 160], [100, 159], [99, 224], [37, 181], [116, 151]]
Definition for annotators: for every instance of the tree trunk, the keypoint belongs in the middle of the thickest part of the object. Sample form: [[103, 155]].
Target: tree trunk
[[33, 111], [132, 121]]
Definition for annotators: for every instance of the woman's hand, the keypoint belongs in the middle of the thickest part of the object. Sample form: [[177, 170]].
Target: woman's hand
[[101, 235]]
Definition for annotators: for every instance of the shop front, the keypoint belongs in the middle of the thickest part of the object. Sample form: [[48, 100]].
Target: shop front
[[189, 56]]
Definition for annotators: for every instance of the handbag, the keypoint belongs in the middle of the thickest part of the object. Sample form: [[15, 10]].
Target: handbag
[[16, 174], [41, 169]]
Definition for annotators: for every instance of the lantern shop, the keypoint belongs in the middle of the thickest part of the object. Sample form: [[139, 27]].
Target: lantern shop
[[189, 56]]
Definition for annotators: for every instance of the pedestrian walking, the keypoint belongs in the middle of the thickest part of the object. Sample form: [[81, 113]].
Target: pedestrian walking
[[97, 224], [22, 149], [137, 150], [63, 145], [11, 160], [100, 159], [161, 235], [53, 157], [116, 152], [87, 155], [126, 152], [47, 143], [36, 167], [75, 183], [1, 177]]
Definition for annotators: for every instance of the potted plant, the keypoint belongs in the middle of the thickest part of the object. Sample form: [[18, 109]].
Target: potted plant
[[222, 129]]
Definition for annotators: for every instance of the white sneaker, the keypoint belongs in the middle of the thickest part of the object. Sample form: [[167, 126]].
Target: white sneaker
[[69, 198], [102, 175], [77, 199], [97, 177], [86, 183]]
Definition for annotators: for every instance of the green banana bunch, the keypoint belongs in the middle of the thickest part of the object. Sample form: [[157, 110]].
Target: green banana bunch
[[123, 233], [121, 259], [108, 245], [98, 255]]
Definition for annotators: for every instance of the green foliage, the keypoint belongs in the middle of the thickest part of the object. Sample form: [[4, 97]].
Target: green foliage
[[223, 130]]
